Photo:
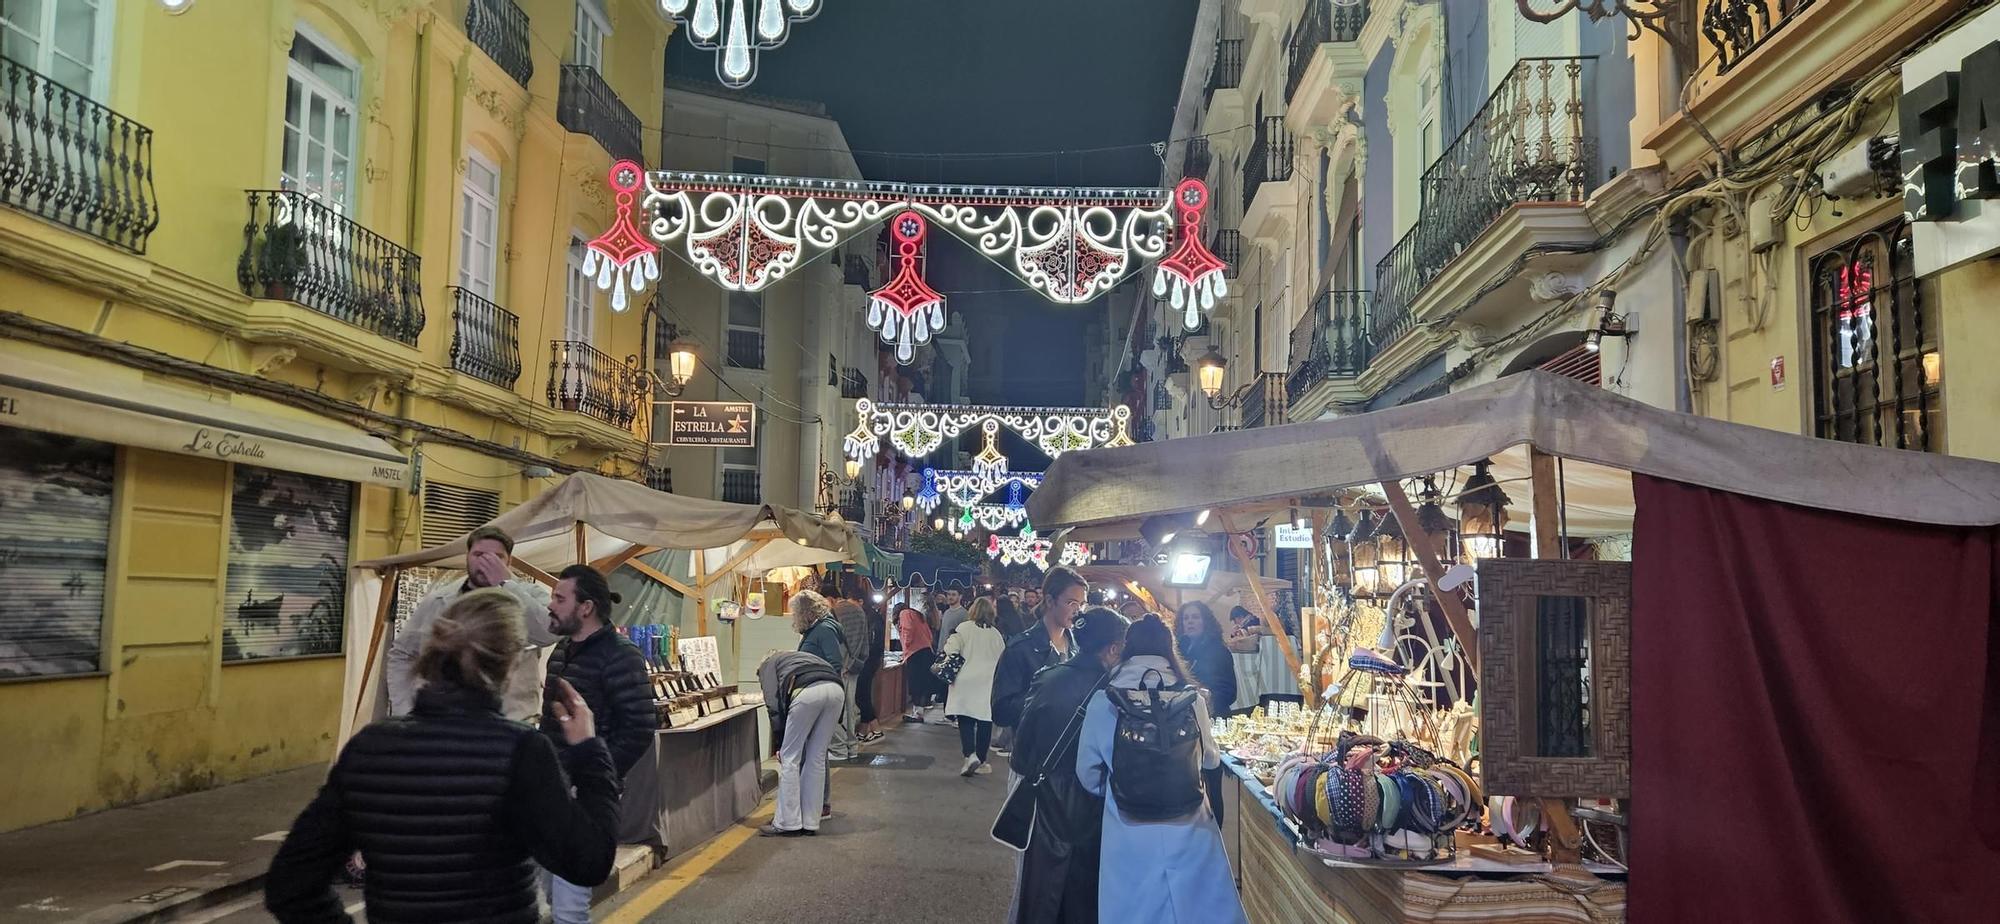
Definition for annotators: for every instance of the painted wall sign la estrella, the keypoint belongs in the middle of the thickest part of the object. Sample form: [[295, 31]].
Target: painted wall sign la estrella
[[713, 423]]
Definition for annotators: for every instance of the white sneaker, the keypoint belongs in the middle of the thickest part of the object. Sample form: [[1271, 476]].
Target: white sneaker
[[985, 769], [971, 765]]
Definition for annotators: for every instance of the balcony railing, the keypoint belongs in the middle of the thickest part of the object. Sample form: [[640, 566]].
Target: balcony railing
[[297, 249], [853, 505], [740, 486], [1527, 144], [853, 384], [485, 339], [854, 271], [1229, 249], [1331, 341], [1163, 398], [1227, 72], [660, 479], [1270, 159], [588, 381], [1198, 158], [1322, 23], [1264, 404], [67, 159], [745, 349], [500, 29], [1737, 27], [587, 105]]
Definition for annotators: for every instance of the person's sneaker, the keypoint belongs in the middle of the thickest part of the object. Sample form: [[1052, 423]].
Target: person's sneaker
[[971, 765], [826, 811], [913, 720], [775, 831], [1004, 752], [984, 768]]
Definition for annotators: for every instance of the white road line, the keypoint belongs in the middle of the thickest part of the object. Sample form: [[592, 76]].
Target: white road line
[[179, 863], [273, 836]]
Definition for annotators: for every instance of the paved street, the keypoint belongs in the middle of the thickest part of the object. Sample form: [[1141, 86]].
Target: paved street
[[908, 843]]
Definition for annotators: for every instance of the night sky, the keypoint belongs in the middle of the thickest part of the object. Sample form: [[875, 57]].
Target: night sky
[[919, 84]]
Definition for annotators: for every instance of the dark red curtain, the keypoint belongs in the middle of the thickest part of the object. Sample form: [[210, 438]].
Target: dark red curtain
[[1815, 714]]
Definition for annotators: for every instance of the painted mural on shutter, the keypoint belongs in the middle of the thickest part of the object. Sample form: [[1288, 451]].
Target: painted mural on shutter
[[287, 587], [55, 527]]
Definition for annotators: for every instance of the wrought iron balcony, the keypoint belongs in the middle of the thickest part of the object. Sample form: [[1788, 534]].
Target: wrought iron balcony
[[745, 349], [588, 381], [853, 384], [1198, 158], [1527, 144], [1163, 398], [1737, 27], [660, 479], [854, 271], [1227, 71], [297, 249], [1229, 249], [500, 29], [67, 159], [741, 486], [588, 106], [485, 339], [1264, 404], [1322, 23], [1270, 159], [1330, 341], [853, 505]]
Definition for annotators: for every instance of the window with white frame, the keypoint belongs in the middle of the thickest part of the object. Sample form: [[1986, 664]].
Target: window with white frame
[[592, 26], [579, 296], [321, 85], [479, 226], [67, 40]]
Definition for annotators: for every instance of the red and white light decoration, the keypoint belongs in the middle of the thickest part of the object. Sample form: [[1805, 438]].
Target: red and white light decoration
[[747, 232], [1191, 279], [907, 310], [622, 258]]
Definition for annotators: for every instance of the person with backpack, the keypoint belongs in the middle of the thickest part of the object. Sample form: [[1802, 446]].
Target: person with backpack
[[1144, 745]]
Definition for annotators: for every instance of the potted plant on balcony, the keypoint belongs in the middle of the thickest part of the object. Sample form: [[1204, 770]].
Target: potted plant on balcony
[[282, 259]]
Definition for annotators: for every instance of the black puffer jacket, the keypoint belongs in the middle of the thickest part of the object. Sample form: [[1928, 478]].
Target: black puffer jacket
[[1025, 655], [451, 807], [610, 673]]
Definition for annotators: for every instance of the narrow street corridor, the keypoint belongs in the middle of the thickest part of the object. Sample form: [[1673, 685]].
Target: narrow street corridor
[[908, 843]]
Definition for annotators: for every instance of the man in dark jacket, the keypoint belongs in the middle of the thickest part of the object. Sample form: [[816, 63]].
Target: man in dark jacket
[[610, 673], [1059, 869], [1045, 643]]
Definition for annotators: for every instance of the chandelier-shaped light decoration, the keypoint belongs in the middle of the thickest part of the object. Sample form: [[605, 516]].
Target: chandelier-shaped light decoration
[[927, 493], [1030, 549], [736, 40], [917, 430], [622, 258], [990, 459], [1191, 278], [907, 310], [994, 517], [964, 489]]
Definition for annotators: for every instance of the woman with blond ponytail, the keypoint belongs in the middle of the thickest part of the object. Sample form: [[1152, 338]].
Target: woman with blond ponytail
[[454, 805]]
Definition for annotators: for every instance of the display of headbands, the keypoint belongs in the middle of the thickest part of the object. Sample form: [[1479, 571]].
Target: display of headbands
[[1371, 800]]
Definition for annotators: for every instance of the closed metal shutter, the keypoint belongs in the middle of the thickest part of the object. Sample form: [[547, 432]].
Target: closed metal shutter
[[451, 511], [55, 528], [287, 585]]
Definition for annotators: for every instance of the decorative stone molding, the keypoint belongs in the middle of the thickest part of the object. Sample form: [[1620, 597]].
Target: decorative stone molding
[[268, 358], [590, 183], [368, 388], [1554, 287], [559, 447]]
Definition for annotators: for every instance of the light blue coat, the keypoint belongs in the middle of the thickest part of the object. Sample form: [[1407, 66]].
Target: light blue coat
[[1154, 871]]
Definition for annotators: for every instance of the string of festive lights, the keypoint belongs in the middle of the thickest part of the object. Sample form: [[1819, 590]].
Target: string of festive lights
[[735, 41], [917, 430]]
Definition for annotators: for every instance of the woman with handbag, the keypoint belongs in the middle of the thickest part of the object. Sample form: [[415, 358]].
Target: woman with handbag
[[971, 655], [1049, 816], [1199, 635]]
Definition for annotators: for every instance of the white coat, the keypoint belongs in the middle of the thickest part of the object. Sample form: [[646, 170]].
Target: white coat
[[972, 693]]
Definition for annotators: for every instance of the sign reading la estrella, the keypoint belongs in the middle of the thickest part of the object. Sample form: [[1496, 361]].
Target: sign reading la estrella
[[1950, 115], [713, 423], [223, 444]]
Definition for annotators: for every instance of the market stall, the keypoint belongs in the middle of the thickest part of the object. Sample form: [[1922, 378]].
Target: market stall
[[1696, 714], [1261, 667], [701, 774]]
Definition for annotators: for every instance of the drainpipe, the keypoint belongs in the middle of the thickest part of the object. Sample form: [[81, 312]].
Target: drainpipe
[[1678, 239], [402, 503], [812, 393]]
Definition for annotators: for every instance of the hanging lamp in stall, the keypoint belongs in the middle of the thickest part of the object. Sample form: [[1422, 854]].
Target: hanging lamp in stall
[[1392, 555], [1438, 528], [1339, 558], [1362, 549], [1482, 514]]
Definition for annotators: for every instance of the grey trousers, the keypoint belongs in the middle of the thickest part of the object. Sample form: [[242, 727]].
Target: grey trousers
[[843, 734], [802, 770]]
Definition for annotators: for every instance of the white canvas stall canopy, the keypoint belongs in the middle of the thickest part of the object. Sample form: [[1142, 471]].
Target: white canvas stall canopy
[[608, 523], [1225, 588]]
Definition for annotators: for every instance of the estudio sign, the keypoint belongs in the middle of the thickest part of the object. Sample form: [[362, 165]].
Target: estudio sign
[[1951, 144]]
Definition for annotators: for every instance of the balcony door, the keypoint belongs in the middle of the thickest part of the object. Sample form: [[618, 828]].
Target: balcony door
[[67, 41], [479, 228], [321, 85]]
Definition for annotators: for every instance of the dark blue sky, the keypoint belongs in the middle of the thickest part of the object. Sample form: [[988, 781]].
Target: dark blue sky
[[926, 82]]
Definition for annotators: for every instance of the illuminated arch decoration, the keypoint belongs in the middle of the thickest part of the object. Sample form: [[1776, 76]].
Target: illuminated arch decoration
[[1030, 549], [622, 258], [907, 310], [917, 430], [735, 41], [1071, 244]]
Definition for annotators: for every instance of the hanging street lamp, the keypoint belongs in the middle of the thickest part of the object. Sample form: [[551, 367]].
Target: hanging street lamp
[[1482, 514], [1361, 546]]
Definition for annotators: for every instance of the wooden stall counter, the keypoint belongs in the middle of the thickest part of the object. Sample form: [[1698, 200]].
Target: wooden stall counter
[[694, 782], [1282, 884]]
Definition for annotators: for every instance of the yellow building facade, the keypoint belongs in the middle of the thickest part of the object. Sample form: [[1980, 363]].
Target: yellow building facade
[[283, 286]]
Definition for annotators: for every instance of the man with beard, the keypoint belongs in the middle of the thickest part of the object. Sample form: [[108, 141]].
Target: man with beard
[[489, 555], [1056, 878], [608, 671]]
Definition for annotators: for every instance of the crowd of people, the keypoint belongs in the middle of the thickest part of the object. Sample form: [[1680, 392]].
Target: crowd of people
[[491, 791]]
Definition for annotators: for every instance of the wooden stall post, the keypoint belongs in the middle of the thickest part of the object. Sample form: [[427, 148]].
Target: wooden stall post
[[701, 590], [1257, 597], [582, 546], [388, 599]]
